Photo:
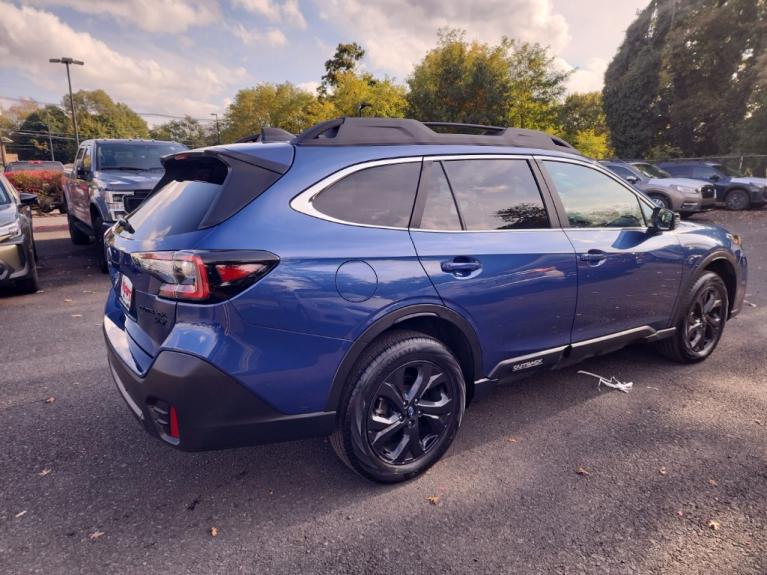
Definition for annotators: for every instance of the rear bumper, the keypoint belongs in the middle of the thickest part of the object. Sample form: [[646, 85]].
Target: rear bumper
[[214, 410]]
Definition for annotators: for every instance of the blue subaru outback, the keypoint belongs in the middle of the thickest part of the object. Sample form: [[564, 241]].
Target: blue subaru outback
[[369, 278]]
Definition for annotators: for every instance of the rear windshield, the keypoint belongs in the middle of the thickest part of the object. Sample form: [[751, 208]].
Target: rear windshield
[[35, 167], [138, 156], [186, 193]]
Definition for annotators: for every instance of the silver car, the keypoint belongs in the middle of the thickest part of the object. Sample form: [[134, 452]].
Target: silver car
[[18, 258], [682, 195]]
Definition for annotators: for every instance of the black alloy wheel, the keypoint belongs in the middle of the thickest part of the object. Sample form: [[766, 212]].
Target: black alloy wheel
[[705, 320], [700, 322], [412, 410], [401, 408]]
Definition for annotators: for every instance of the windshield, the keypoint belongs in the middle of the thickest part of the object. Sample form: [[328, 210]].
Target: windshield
[[5, 196], [139, 156], [731, 172], [651, 171], [35, 167]]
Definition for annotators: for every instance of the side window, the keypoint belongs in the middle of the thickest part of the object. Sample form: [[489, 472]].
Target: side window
[[439, 211], [703, 172], [78, 160], [621, 171], [496, 194], [592, 199], [379, 196], [87, 160]]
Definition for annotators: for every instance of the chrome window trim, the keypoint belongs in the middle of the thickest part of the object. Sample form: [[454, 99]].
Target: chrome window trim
[[303, 202]]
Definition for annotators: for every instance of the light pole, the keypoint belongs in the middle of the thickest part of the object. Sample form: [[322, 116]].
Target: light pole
[[218, 130], [67, 62]]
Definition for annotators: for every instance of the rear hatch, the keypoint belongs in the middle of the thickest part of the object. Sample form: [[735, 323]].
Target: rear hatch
[[153, 255]]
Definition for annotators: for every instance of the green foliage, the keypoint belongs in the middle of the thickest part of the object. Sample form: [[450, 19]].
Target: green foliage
[[581, 121], [37, 147], [384, 97], [508, 84], [266, 105], [187, 131], [689, 77], [48, 186], [98, 116], [346, 59]]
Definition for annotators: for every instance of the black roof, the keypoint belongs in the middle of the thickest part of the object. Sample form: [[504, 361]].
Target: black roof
[[393, 131]]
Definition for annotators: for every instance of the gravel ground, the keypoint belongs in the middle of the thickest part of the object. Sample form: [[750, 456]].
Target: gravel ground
[[84, 490]]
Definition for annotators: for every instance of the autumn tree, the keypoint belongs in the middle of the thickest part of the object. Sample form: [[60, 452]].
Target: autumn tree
[[582, 122], [187, 131], [345, 60]]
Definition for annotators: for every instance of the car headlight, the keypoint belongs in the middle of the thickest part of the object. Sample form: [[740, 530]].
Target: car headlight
[[10, 231], [115, 205]]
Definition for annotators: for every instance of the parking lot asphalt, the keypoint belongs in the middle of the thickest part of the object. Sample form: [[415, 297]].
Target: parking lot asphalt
[[548, 475]]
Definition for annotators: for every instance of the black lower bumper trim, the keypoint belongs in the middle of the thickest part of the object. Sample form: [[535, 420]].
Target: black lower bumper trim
[[214, 410]]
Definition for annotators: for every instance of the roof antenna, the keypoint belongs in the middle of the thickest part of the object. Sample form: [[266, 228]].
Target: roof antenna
[[361, 107]]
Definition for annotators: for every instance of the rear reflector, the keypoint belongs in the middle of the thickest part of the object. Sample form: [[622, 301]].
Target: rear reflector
[[174, 423]]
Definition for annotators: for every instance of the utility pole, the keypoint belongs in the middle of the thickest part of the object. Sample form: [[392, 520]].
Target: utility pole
[[218, 130], [67, 62]]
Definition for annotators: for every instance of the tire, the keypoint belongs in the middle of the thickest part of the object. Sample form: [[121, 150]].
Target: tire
[[660, 201], [385, 432], [101, 258], [31, 283], [78, 237], [737, 200], [699, 331]]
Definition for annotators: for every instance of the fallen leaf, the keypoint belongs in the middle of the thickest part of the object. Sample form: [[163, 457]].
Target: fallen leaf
[[433, 499], [582, 471], [758, 422], [21, 514], [213, 531], [44, 472], [712, 482], [51, 399], [680, 513], [96, 535], [663, 471], [512, 439], [713, 524], [68, 300], [271, 492], [77, 315]]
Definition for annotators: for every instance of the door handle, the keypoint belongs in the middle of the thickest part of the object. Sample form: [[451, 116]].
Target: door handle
[[460, 268], [593, 257]]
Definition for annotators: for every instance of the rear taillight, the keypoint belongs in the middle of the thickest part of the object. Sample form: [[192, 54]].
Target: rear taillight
[[204, 276]]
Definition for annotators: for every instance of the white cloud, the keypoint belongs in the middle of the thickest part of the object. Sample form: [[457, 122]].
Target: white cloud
[[168, 84], [249, 36], [588, 78], [287, 11], [169, 16], [310, 86], [397, 33]]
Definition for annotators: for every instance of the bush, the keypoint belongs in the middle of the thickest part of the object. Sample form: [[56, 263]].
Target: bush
[[46, 185]]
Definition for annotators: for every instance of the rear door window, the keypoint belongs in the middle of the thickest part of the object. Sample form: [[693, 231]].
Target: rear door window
[[377, 196], [496, 194]]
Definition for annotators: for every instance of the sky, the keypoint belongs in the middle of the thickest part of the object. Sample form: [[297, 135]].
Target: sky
[[179, 57]]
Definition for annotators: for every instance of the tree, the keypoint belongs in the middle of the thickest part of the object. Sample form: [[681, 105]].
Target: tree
[[460, 81], [37, 147], [346, 59], [98, 116], [687, 78], [472, 82], [383, 97], [582, 122], [187, 131], [267, 105]]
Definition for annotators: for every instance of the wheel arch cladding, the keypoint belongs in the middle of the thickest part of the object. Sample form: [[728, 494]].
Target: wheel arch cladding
[[434, 320], [725, 270]]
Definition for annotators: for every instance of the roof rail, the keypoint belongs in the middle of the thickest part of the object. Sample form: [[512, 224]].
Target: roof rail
[[268, 135], [350, 131]]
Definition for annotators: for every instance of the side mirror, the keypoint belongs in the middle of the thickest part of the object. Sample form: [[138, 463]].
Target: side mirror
[[27, 199], [715, 177], [82, 173], [663, 219], [632, 179]]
